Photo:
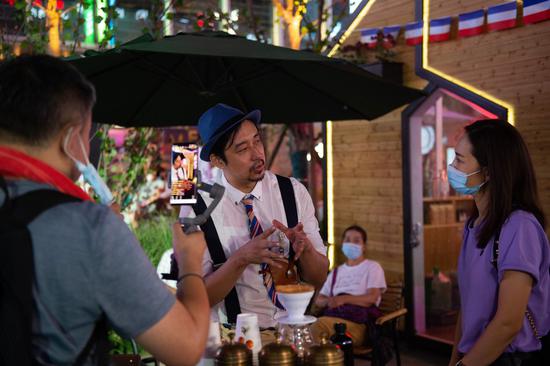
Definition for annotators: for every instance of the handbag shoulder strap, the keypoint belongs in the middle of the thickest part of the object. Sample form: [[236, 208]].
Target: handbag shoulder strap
[[532, 324], [494, 262], [334, 273], [496, 244]]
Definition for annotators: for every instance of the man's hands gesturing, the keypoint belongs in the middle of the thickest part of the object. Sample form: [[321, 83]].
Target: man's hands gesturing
[[297, 236], [258, 250]]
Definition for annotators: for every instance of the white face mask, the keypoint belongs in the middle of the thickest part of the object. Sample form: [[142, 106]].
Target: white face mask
[[458, 180], [89, 172], [352, 250]]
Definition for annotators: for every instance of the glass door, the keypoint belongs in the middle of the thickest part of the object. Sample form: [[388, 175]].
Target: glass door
[[438, 214]]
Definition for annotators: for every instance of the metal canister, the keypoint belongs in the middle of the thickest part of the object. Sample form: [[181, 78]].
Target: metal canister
[[277, 353], [233, 354], [324, 354]]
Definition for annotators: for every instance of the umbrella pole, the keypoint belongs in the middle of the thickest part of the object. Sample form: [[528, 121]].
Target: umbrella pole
[[242, 104], [277, 147]]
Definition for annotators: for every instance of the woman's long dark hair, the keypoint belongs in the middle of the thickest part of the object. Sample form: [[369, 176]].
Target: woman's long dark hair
[[501, 151]]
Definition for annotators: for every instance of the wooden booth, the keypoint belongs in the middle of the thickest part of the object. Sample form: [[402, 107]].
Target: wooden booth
[[389, 175]]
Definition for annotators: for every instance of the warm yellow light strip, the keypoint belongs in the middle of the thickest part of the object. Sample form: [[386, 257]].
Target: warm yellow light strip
[[425, 62], [330, 195], [426, 66], [352, 27], [330, 192]]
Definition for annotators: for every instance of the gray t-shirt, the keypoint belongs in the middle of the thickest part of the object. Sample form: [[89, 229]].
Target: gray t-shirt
[[87, 263]]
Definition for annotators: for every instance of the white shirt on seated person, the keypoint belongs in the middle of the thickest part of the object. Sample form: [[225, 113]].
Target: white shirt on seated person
[[356, 280], [359, 280]]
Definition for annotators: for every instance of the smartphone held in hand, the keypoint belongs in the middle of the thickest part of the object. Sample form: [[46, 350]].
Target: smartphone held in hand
[[183, 177]]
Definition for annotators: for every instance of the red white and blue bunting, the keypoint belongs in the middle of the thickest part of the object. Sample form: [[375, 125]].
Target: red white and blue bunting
[[494, 18], [440, 29], [535, 11], [413, 33], [502, 16], [471, 24], [369, 37]]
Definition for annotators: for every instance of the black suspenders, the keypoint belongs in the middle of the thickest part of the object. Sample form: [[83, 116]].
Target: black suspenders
[[231, 301], [289, 203], [232, 306]]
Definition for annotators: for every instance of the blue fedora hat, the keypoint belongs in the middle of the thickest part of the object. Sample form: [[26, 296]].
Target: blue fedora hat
[[219, 119]]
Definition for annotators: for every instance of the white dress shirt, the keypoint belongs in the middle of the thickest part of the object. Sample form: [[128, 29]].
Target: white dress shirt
[[231, 224]]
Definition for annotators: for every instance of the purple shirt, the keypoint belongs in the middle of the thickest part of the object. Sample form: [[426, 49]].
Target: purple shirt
[[523, 247]]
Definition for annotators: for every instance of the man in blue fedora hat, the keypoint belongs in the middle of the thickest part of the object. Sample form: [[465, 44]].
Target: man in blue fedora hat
[[242, 250]]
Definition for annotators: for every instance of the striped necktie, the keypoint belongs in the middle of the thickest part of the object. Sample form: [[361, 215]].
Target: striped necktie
[[255, 229]]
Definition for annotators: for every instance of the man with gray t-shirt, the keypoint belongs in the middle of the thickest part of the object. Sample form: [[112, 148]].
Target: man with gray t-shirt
[[87, 264]]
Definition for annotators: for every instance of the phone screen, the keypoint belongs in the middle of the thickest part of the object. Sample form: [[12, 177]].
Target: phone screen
[[183, 177]]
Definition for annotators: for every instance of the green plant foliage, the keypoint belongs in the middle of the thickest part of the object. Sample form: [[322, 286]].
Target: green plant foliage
[[120, 345], [31, 30], [125, 171], [155, 236]]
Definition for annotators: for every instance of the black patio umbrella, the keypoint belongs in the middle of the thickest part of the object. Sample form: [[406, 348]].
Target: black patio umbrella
[[172, 81]]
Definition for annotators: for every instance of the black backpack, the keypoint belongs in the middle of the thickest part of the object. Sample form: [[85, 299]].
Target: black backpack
[[17, 276]]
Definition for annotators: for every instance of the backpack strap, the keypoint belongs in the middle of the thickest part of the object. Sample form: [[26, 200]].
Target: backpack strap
[[231, 301], [98, 346], [28, 206], [17, 272], [24, 209], [289, 203]]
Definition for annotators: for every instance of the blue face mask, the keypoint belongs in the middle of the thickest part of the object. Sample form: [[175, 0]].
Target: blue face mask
[[90, 174], [351, 250], [458, 180]]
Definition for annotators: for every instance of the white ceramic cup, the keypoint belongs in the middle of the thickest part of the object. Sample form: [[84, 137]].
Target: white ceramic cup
[[295, 303], [247, 328]]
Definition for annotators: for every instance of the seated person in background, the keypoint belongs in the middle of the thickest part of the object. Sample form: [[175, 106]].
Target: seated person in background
[[352, 291]]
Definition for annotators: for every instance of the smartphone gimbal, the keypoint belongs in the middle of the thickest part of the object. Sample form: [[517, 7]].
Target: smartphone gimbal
[[192, 224]]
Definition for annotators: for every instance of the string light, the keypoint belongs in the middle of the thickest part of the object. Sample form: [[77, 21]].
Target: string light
[[426, 66], [425, 60], [330, 195]]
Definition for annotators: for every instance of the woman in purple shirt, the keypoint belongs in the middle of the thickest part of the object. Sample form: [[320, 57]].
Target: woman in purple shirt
[[504, 292]]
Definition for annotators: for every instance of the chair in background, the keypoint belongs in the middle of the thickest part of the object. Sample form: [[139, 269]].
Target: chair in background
[[393, 309]]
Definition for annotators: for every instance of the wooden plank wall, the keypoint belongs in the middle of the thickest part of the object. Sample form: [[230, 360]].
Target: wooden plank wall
[[368, 188], [513, 65], [367, 159]]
